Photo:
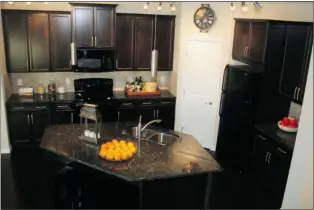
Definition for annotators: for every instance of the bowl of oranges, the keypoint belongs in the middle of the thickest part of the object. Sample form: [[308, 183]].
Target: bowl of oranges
[[117, 150]]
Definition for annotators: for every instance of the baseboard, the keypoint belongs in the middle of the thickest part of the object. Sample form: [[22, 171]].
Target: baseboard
[[5, 151]]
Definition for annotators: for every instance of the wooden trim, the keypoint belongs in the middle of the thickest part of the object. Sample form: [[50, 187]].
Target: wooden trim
[[92, 5]]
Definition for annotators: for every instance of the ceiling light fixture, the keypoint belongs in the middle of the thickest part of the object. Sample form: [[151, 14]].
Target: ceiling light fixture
[[28, 3], [45, 2], [159, 6], [232, 6], [146, 5], [257, 5], [244, 7], [10, 2], [172, 7]]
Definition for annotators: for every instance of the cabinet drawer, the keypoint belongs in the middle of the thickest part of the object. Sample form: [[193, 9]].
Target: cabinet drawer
[[27, 107], [62, 106], [127, 104]]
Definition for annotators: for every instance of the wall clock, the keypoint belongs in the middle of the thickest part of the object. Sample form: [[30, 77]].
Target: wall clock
[[204, 18]]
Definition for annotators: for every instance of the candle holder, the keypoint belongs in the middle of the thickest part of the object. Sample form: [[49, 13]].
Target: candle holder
[[92, 118]]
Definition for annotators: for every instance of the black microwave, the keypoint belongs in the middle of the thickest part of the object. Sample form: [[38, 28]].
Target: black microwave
[[94, 60]]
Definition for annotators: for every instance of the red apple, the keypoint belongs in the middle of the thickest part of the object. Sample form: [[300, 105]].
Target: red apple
[[294, 123], [286, 121]]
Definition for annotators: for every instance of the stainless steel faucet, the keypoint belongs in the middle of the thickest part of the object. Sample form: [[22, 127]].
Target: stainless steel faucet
[[140, 130]]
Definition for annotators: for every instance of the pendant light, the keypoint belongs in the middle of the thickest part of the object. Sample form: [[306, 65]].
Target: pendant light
[[154, 60]]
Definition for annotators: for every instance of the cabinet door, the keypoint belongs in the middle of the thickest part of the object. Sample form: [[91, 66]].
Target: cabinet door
[[164, 42], [83, 26], [148, 113], [38, 41], [167, 115], [127, 115], [260, 157], [14, 28], [60, 41], [104, 28], [62, 117], [143, 42], [240, 40], [39, 120], [19, 127], [125, 42], [258, 33], [294, 59]]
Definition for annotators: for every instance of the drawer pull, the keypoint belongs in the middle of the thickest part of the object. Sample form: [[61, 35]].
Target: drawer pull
[[62, 106], [262, 137], [147, 103], [18, 108], [281, 150], [166, 102], [41, 107], [127, 104]]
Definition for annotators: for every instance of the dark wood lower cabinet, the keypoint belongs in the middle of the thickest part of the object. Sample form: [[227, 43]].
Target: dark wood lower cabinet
[[19, 127]]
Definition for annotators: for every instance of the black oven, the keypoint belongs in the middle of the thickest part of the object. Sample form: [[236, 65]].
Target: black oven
[[94, 60]]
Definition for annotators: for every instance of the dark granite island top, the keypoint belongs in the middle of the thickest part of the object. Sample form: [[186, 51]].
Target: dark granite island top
[[152, 162]]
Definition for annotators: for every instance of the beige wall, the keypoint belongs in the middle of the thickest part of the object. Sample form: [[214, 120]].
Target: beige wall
[[119, 77]]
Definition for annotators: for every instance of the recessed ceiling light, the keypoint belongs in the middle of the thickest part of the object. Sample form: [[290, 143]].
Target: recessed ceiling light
[[28, 3]]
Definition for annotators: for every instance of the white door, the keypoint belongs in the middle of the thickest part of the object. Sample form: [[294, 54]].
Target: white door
[[201, 90]]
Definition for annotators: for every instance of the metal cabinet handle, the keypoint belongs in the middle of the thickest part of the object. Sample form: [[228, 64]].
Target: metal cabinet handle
[[92, 41], [28, 119], [294, 92], [127, 104], [18, 108], [157, 113], [147, 103], [32, 119], [281, 150], [118, 115], [268, 161], [72, 120], [116, 63], [41, 107], [62, 106], [266, 157], [261, 137], [27, 67], [95, 38], [166, 102], [298, 93]]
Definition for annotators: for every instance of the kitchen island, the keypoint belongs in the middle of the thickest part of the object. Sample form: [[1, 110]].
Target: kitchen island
[[156, 177]]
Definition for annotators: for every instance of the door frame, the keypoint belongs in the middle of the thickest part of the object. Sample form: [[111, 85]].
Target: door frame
[[180, 90]]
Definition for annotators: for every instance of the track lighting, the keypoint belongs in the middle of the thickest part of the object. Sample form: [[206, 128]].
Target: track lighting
[[244, 7], [159, 6], [172, 7], [146, 5], [232, 6], [257, 5]]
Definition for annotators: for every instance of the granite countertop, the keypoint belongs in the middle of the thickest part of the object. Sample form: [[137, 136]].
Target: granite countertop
[[282, 138], [152, 161], [70, 97]]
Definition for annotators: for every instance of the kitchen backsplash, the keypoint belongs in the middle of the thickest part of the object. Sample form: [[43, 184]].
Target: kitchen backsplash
[[119, 78]]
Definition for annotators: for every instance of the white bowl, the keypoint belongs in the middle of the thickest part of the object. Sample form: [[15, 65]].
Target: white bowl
[[287, 129]]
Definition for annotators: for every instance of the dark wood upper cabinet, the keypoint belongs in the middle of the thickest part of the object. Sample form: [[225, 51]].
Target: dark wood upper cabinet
[[15, 40], [295, 66], [125, 42], [241, 39], [83, 22], [60, 41], [38, 41], [144, 28], [258, 33], [104, 26], [249, 43], [165, 41], [93, 25]]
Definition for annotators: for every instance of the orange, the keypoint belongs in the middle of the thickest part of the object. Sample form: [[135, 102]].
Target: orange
[[118, 149], [117, 156], [130, 144], [102, 154], [124, 147], [122, 142], [114, 141], [129, 153], [109, 156], [109, 144], [110, 150], [124, 155], [132, 149]]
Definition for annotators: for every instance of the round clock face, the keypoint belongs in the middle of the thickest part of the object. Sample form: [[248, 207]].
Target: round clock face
[[204, 18]]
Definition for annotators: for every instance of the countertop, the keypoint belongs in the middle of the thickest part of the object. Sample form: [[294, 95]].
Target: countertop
[[152, 161], [70, 97], [283, 139]]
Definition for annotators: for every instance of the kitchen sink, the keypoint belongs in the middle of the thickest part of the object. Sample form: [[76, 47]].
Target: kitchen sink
[[158, 137]]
